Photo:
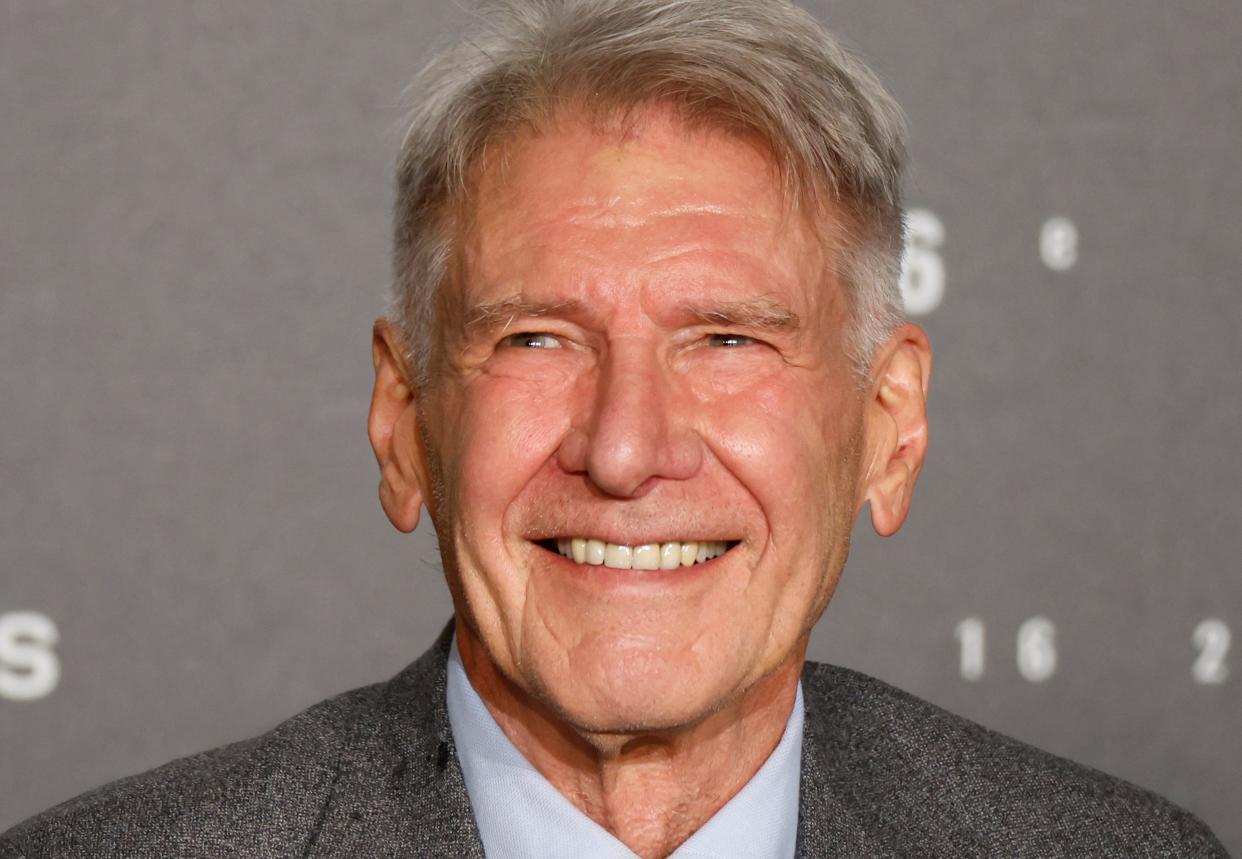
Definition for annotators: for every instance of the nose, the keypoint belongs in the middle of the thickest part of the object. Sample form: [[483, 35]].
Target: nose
[[637, 430]]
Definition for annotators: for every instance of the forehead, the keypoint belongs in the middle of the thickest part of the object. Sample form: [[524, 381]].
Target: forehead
[[652, 197]]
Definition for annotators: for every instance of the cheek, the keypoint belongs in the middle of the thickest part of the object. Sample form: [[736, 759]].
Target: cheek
[[507, 429], [501, 433], [773, 435], [788, 442]]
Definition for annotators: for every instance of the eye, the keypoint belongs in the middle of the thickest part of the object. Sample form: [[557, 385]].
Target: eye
[[530, 340], [728, 340]]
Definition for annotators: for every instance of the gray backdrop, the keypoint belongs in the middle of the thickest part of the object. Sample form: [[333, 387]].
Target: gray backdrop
[[194, 237]]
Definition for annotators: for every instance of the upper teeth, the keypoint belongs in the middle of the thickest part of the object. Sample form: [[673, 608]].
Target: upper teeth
[[649, 556]]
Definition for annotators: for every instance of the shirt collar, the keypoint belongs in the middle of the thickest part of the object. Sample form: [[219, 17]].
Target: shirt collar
[[520, 814]]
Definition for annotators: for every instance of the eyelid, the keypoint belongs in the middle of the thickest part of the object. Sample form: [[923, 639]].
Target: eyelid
[[512, 339], [749, 339]]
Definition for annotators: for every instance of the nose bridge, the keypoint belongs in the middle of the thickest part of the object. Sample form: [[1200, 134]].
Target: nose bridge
[[629, 400], [637, 429]]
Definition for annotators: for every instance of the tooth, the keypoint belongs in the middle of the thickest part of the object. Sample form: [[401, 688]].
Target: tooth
[[578, 547], [618, 557], [670, 556], [647, 556], [595, 552], [702, 553], [562, 546], [689, 551]]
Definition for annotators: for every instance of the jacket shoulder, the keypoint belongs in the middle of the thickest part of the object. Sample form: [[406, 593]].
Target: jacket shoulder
[[912, 772], [258, 797]]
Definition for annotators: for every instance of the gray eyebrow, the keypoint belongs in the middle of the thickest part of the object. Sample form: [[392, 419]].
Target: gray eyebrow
[[762, 314], [501, 314]]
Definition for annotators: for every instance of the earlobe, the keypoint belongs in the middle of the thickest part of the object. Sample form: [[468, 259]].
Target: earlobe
[[896, 426], [392, 428]]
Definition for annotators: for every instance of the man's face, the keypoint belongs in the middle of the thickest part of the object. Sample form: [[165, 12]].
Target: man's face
[[642, 346]]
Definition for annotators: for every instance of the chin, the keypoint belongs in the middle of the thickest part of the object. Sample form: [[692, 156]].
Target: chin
[[617, 687]]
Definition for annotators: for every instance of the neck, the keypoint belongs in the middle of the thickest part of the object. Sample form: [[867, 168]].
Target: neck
[[651, 791]]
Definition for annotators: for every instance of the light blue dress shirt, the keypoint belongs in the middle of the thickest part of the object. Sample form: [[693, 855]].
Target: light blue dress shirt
[[520, 814]]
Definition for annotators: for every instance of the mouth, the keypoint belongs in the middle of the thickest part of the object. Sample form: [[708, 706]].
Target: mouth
[[647, 556]]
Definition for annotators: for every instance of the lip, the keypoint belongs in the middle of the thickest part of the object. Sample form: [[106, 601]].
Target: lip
[[630, 538], [605, 576]]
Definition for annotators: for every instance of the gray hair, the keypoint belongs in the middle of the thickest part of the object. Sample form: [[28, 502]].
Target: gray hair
[[761, 68]]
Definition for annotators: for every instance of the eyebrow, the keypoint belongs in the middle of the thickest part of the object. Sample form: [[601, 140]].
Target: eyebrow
[[759, 314], [502, 314]]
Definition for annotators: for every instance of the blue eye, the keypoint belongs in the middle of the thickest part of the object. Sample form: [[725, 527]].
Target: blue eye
[[531, 340], [729, 340]]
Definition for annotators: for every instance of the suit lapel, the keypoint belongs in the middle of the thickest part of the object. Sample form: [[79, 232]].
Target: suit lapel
[[829, 826], [399, 791]]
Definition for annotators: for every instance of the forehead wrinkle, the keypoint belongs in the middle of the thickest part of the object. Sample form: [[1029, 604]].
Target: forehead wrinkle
[[635, 213], [635, 205], [718, 274], [745, 241]]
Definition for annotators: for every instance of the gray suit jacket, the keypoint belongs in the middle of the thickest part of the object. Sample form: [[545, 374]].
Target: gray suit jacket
[[373, 774]]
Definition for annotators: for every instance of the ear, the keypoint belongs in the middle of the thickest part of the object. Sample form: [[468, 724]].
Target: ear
[[392, 427], [895, 426]]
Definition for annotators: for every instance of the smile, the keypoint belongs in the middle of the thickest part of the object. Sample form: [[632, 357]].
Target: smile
[[648, 556]]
